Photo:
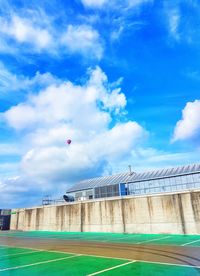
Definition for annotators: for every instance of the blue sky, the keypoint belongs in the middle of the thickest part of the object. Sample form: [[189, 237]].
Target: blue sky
[[119, 78]]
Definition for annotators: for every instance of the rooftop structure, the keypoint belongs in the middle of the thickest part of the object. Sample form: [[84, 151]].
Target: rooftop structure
[[5, 219], [156, 181]]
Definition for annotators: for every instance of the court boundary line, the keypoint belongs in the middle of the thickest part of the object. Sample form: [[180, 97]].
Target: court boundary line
[[106, 257], [154, 240], [111, 268], [62, 239], [163, 263], [38, 263], [14, 254], [66, 252], [124, 237], [189, 242], [104, 241]]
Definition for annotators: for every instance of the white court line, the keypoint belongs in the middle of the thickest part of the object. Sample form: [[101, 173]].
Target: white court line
[[114, 240], [71, 238], [111, 268], [100, 256], [63, 239], [66, 252], [125, 237], [154, 240], [102, 241], [151, 262], [58, 238], [14, 254], [190, 242], [38, 263]]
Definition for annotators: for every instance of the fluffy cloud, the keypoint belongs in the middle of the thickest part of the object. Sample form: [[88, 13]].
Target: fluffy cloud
[[15, 190], [58, 103], [39, 34], [91, 155], [182, 25], [91, 114], [12, 82], [9, 149], [174, 21], [189, 126], [83, 39], [94, 3], [102, 3], [134, 3], [24, 30]]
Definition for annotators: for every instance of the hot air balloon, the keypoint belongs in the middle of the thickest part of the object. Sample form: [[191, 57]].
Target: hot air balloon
[[68, 141]]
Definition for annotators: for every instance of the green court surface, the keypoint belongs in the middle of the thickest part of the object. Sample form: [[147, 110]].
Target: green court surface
[[157, 239], [18, 261]]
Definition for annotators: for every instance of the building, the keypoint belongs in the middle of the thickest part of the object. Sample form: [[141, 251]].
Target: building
[[157, 181], [5, 215]]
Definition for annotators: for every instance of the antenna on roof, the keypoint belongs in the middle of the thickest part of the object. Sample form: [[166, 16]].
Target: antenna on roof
[[130, 171]]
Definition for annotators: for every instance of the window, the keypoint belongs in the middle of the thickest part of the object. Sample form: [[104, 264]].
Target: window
[[78, 195]]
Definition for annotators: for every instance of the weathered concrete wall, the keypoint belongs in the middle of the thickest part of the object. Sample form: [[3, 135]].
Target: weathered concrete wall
[[170, 213]]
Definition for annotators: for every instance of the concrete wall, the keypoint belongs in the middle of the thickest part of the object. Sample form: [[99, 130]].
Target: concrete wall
[[170, 213]]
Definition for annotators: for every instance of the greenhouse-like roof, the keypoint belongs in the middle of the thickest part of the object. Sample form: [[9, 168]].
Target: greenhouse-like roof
[[99, 181], [134, 177]]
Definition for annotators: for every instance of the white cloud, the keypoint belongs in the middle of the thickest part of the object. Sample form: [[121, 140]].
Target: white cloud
[[134, 3], [113, 3], [56, 161], [189, 126], [24, 30], [82, 39], [115, 35], [17, 192], [192, 74], [2, 186], [174, 22], [183, 26], [59, 103], [94, 3], [38, 33], [9, 149], [12, 82], [82, 113], [8, 168]]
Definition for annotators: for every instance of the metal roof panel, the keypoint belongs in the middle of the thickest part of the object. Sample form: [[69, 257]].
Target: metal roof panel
[[135, 177]]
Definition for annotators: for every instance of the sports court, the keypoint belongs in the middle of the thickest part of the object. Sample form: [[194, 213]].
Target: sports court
[[71, 253]]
